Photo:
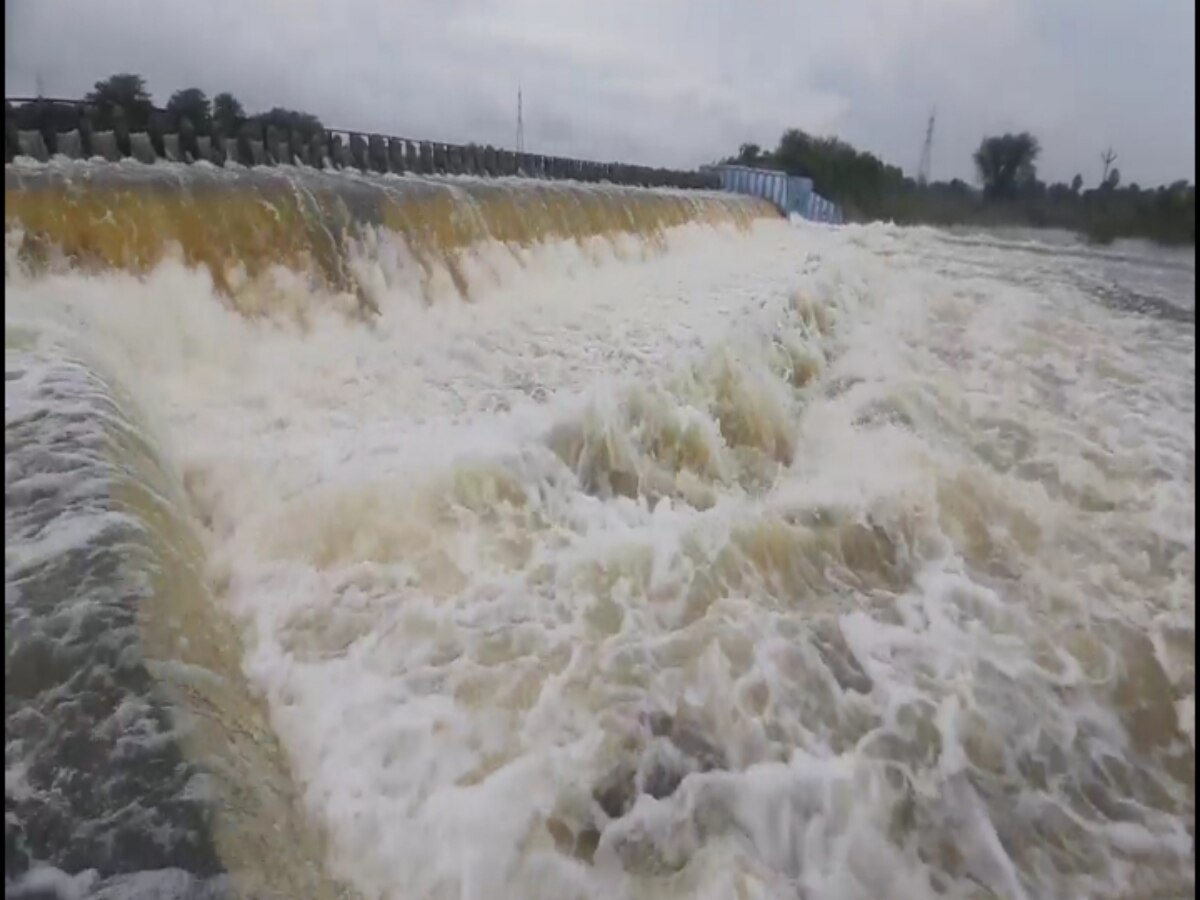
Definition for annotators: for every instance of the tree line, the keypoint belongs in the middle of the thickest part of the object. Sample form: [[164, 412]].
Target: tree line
[[124, 99], [863, 185], [1011, 194]]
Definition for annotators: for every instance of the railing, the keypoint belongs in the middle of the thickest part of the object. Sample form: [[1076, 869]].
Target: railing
[[70, 128]]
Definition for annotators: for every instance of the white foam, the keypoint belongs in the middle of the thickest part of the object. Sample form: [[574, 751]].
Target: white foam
[[453, 632]]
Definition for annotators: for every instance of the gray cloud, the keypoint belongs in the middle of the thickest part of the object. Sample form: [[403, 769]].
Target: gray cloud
[[669, 82]]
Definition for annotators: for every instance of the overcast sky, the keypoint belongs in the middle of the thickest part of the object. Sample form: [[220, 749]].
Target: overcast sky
[[665, 82]]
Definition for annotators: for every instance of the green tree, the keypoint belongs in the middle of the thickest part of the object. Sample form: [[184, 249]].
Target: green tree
[[227, 112], [868, 188], [126, 92], [1006, 164], [191, 104], [305, 124], [748, 154]]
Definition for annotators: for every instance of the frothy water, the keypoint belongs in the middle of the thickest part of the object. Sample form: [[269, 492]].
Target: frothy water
[[777, 562]]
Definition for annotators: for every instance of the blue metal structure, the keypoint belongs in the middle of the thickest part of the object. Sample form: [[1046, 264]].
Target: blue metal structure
[[790, 193]]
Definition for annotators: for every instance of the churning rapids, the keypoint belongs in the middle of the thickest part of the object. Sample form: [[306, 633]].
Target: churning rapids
[[720, 557]]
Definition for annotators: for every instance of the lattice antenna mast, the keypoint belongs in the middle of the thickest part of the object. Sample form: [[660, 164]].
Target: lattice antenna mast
[[520, 123], [926, 163]]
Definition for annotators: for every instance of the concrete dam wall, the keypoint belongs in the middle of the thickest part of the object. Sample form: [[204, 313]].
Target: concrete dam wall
[[68, 128]]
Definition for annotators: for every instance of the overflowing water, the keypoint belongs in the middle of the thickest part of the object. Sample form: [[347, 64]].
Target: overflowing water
[[685, 553]]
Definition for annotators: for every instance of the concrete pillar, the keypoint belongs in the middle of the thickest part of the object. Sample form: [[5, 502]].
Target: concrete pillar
[[245, 153], [358, 152], [333, 150], [273, 146], [253, 148], [346, 153], [216, 146], [426, 157], [86, 130], [377, 152], [120, 130], [318, 147], [470, 158], [395, 151], [171, 149], [336, 158], [440, 164], [297, 148], [156, 128], [11, 139], [412, 157], [58, 119], [258, 152]]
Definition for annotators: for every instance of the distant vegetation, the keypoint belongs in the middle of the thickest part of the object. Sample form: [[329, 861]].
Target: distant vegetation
[[867, 188], [124, 99], [863, 185]]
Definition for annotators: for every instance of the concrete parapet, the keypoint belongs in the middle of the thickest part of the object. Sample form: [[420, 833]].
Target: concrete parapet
[[49, 127]]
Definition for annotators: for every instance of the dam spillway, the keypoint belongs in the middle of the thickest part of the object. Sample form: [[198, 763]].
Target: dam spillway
[[405, 536]]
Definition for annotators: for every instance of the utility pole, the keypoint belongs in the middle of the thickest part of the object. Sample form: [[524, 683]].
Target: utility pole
[[1108, 157], [926, 163], [520, 123]]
